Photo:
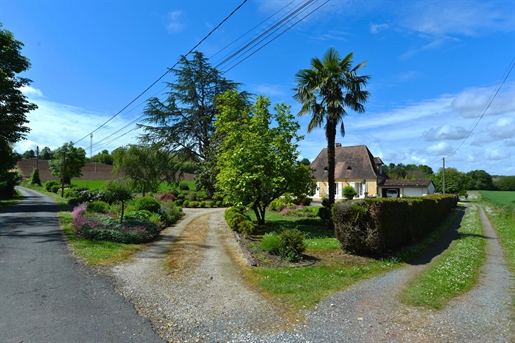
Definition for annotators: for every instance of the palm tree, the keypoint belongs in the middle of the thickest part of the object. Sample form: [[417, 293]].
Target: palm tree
[[325, 90]]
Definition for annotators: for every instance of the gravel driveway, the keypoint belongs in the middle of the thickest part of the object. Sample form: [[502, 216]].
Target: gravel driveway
[[207, 299]]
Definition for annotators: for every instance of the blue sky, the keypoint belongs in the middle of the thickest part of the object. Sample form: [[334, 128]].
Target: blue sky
[[434, 66]]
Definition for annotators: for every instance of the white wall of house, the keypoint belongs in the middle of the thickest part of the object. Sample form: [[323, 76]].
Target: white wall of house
[[413, 192]]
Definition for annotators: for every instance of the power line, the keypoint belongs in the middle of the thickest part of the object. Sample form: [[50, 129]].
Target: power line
[[488, 104], [281, 22], [165, 73]]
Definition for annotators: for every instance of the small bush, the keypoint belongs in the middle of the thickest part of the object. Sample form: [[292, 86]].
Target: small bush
[[325, 202], [292, 244], [167, 197], [186, 203], [97, 207], [219, 203], [270, 243], [70, 193], [50, 183], [349, 192], [179, 202], [147, 203], [191, 197], [201, 195], [170, 213], [184, 187], [277, 205], [202, 204], [194, 204], [174, 192], [55, 188]]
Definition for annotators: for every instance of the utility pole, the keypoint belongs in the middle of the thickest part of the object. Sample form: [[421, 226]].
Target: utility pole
[[63, 169], [443, 176]]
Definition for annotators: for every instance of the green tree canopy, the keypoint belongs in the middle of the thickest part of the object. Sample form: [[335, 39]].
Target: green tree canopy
[[258, 157], [73, 158], [456, 182], [184, 123], [139, 166], [480, 180], [46, 154], [13, 106], [325, 91]]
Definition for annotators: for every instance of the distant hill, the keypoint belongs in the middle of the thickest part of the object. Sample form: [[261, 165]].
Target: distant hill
[[91, 171]]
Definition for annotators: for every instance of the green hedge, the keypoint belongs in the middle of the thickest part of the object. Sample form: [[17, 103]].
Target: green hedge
[[379, 227]]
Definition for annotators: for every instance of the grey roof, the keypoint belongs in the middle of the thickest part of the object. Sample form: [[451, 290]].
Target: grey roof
[[406, 183], [352, 162]]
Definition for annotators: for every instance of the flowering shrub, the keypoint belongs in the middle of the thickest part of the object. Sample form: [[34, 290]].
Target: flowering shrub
[[105, 227]]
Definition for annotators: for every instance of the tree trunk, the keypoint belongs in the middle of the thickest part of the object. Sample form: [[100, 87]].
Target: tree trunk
[[331, 138]]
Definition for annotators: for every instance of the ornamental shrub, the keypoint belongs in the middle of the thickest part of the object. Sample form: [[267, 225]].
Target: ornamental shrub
[[349, 192], [34, 179], [97, 207], [270, 243], [186, 203], [291, 244], [277, 205], [137, 215], [48, 185], [184, 186], [148, 203], [167, 197], [170, 213]]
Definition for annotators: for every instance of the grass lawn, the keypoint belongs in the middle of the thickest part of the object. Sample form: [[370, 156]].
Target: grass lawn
[[455, 271], [334, 270], [91, 184]]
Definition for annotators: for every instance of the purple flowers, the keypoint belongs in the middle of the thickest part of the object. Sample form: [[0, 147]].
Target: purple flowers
[[105, 227]]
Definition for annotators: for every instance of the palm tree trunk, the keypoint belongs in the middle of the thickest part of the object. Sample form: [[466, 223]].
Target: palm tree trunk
[[331, 138]]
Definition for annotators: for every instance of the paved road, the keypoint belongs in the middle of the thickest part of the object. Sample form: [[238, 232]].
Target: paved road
[[46, 295]]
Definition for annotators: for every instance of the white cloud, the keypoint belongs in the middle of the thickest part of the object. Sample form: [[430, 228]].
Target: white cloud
[[496, 154], [53, 124], [376, 28], [473, 102], [435, 44], [503, 128], [175, 24], [467, 18], [269, 90], [31, 92], [445, 132], [440, 149]]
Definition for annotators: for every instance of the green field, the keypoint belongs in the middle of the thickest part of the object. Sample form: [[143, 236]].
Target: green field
[[502, 198]]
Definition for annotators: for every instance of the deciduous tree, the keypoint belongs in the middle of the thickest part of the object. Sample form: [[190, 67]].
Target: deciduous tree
[[258, 157], [73, 158], [13, 106]]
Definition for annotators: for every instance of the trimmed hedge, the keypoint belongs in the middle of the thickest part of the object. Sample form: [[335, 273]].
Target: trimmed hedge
[[238, 221], [379, 227]]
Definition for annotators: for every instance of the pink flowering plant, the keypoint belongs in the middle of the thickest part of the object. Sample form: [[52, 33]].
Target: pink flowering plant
[[106, 227]]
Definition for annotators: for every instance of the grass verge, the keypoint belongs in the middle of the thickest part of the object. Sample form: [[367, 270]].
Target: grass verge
[[92, 253], [10, 202], [455, 271]]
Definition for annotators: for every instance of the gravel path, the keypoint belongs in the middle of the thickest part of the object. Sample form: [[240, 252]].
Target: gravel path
[[208, 299]]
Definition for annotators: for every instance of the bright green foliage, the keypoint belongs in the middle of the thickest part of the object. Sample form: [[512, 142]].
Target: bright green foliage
[[258, 159], [13, 107], [270, 243], [74, 159], [147, 203], [140, 166], [97, 207], [325, 91], [349, 192], [292, 244], [455, 181]]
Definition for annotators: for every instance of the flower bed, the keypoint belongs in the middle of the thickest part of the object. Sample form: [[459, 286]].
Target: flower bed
[[106, 227]]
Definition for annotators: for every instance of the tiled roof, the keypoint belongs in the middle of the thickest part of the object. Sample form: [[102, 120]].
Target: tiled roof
[[352, 162]]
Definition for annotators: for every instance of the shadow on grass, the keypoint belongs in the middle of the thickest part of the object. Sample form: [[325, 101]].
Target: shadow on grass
[[313, 227], [442, 242]]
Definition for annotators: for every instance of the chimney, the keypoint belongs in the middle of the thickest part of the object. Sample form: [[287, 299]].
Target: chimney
[[338, 145]]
